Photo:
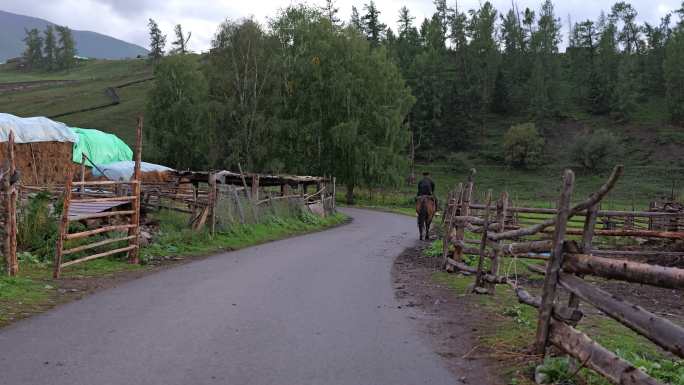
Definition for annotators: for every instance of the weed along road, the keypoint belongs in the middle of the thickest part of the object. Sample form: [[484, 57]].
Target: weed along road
[[316, 309]]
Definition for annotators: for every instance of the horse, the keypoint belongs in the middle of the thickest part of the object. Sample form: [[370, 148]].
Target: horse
[[425, 208]]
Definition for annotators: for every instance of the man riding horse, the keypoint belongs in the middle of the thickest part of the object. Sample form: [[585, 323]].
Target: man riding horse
[[426, 205]]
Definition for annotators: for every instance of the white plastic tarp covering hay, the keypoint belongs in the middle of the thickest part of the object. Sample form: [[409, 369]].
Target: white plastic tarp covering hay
[[32, 130], [124, 170]]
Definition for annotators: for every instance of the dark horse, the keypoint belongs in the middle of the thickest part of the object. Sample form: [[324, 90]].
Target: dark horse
[[425, 208]]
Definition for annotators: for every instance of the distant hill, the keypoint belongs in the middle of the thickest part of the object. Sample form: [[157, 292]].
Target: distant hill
[[89, 44]]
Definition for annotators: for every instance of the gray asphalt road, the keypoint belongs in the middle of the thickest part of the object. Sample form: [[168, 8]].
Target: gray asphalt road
[[316, 309]]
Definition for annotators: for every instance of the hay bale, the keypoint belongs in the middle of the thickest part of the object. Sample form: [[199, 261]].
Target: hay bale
[[41, 163]]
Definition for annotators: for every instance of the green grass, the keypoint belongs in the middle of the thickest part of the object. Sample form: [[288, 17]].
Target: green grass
[[88, 70], [88, 90], [176, 239], [513, 327]]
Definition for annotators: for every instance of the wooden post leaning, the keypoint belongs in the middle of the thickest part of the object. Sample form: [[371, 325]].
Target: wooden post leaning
[[554, 266], [63, 224], [134, 231], [453, 209], [10, 210]]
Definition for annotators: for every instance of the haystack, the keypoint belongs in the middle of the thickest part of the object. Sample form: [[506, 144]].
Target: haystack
[[43, 148]]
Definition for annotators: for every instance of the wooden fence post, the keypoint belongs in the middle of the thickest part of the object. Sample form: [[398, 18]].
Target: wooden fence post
[[554, 265], [450, 233], [501, 212], [334, 193], [465, 211], [255, 188], [212, 202], [134, 254], [241, 212], [11, 211], [587, 239], [483, 244], [63, 224]]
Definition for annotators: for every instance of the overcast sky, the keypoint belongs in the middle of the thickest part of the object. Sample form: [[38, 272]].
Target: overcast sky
[[127, 19]]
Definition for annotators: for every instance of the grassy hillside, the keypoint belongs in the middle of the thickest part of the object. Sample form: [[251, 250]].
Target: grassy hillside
[[653, 159], [653, 148], [84, 87]]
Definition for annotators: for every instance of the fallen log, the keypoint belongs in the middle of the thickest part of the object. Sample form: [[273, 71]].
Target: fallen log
[[640, 253], [522, 248], [662, 332], [654, 275], [627, 233], [596, 357], [461, 266]]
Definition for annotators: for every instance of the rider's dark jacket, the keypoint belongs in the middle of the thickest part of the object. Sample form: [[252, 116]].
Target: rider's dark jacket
[[426, 187]]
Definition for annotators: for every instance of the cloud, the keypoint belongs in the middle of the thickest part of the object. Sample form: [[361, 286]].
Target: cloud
[[127, 19]]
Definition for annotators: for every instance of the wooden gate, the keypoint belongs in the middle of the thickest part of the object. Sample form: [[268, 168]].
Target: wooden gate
[[93, 200]]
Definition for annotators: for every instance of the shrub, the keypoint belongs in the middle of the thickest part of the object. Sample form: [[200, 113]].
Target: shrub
[[597, 151], [37, 226], [523, 146], [556, 370]]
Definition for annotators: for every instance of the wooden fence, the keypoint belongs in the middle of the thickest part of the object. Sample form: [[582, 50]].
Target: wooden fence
[[202, 194], [93, 200], [500, 235]]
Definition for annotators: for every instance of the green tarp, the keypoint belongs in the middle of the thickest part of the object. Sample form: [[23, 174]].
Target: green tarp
[[100, 147]]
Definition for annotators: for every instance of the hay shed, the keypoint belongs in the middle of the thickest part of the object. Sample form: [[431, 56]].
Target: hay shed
[[43, 148]]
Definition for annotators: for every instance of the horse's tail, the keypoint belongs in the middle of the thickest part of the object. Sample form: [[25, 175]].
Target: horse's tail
[[422, 212]]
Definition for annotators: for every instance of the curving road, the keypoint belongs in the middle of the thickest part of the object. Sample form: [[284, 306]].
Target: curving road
[[316, 309]]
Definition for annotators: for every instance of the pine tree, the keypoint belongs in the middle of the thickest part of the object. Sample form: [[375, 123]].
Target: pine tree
[[607, 60], [545, 75], [457, 26], [581, 53], [356, 21], [514, 74], [181, 43], [33, 54], [674, 71], [483, 56], [630, 33], [66, 48], [408, 41], [330, 11], [50, 48], [442, 16], [157, 41], [372, 26], [657, 37]]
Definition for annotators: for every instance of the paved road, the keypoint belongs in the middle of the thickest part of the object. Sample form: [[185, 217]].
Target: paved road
[[316, 309]]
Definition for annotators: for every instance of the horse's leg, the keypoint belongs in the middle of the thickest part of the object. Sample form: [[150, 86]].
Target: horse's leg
[[427, 229], [420, 227]]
